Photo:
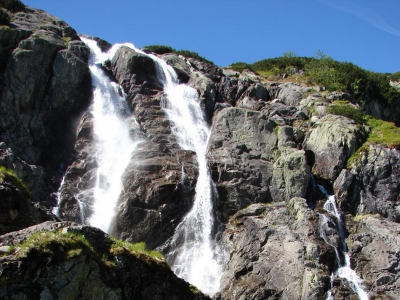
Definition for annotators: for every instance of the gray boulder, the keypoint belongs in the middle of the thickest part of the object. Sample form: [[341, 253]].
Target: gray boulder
[[332, 140], [240, 153], [274, 254]]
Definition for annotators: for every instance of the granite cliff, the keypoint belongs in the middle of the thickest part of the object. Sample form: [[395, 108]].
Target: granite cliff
[[272, 143]]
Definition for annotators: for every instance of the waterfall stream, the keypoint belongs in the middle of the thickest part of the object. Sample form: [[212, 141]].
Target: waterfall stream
[[344, 269], [114, 145], [196, 255]]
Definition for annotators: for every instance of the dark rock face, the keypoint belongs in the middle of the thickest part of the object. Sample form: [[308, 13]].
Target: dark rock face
[[275, 254], [373, 186], [159, 181], [43, 84], [65, 271], [17, 211]]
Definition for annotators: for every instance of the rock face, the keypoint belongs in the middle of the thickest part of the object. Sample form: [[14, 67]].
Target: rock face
[[275, 253], [374, 245], [68, 261], [373, 186], [332, 140], [267, 138], [43, 83], [240, 152]]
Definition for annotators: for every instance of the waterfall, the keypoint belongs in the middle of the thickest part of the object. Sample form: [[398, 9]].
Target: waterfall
[[344, 268], [114, 145], [196, 255]]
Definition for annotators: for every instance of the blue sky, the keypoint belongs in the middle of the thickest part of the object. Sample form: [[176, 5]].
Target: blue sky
[[364, 32]]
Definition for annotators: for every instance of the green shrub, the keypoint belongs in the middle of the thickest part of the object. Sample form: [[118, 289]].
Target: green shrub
[[9, 175], [348, 111], [240, 66], [4, 17], [161, 49], [13, 5], [334, 75], [395, 76]]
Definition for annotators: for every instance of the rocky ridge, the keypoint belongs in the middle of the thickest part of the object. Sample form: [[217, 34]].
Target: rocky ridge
[[266, 138]]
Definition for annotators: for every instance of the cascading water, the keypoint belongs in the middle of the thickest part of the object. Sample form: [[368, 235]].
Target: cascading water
[[344, 268], [196, 255], [114, 145]]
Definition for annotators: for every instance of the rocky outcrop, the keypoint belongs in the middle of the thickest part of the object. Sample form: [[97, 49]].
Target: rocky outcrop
[[68, 261], [44, 83], [241, 152], [275, 254], [16, 208], [372, 186], [331, 141], [374, 244], [159, 181]]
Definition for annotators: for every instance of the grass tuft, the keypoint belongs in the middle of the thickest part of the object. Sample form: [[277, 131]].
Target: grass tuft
[[9, 175]]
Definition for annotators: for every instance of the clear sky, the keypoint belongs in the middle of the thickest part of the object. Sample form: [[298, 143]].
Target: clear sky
[[364, 32]]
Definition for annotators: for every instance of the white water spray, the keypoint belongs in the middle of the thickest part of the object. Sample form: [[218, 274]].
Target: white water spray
[[196, 255], [344, 268], [114, 146]]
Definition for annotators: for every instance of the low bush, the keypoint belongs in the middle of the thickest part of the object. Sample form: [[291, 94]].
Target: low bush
[[325, 71], [13, 5], [4, 17], [161, 49], [348, 111]]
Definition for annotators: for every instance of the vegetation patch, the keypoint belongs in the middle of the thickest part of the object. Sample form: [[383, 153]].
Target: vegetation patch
[[119, 246], [9, 175], [66, 40], [347, 110], [13, 5], [4, 17], [325, 71], [49, 243], [381, 132], [161, 49]]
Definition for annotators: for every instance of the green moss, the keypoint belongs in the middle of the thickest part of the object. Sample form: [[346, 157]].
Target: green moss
[[9, 175], [136, 248], [66, 40]]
